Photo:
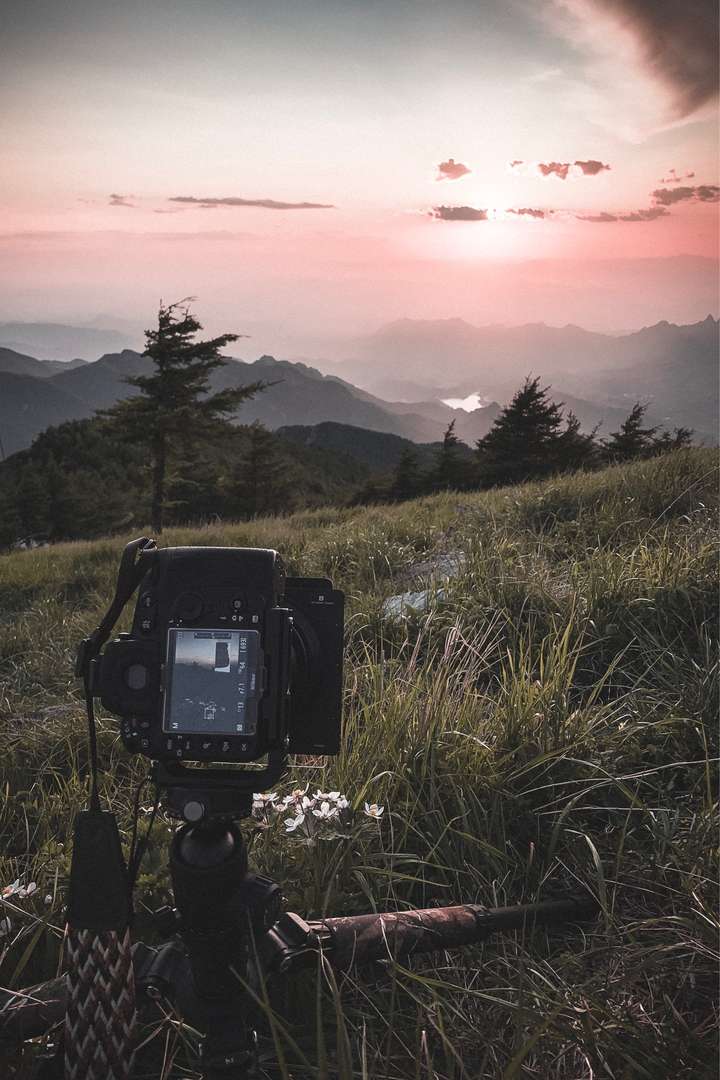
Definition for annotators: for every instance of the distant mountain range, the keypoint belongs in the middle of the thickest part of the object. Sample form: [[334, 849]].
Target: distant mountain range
[[598, 377], [57, 341], [675, 368], [31, 400]]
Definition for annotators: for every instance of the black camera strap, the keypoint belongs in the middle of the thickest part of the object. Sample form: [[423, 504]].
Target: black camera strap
[[131, 572], [100, 1015]]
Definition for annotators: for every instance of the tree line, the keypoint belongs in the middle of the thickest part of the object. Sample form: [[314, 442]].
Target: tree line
[[170, 454], [530, 439]]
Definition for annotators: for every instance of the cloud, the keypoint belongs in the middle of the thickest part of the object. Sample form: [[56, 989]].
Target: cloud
[[554, 168], [458, 213], [528, 211], [451, 170], [635, 215], [591, 167], [121, 200], [562, 169], [514, 164], [677, 42], [674, 177], [701, 193], [265, 204], [645, 215]]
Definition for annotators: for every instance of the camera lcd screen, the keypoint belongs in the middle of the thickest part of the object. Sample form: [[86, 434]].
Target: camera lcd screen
[[212, 682]]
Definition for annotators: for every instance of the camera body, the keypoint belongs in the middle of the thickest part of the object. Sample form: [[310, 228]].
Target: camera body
[[227, 660]]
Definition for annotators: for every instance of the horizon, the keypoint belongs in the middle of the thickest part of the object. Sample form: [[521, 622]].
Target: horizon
[[316, 170]]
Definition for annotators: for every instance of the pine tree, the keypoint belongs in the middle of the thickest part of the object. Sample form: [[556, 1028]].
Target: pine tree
[[174, 406], [574, 449], [406, 481], [523, 441], [450, 469], [632, 440], [680, 439], [264, 480]]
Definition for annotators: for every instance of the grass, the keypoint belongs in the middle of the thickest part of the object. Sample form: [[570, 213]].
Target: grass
[[547, 726]]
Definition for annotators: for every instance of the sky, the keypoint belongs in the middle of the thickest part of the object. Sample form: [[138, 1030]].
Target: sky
[[310, 169]]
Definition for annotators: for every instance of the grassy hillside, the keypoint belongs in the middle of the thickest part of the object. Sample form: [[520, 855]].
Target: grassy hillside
[[547, 726]]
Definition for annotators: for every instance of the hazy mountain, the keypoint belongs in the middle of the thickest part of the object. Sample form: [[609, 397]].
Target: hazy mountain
[[299, 394], [597, 377], [453, 355], [673, 368], [56, 341], [20, 364], [28, 405]]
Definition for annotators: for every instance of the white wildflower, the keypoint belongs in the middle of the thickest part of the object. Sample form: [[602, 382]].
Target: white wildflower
[[269, 798], [307, 803], [326, 811], [291, 824], [48, 900], [374, 811], [11, 890], [27, 890]]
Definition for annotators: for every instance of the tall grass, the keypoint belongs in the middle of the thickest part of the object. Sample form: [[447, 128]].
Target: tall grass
[[547, 726]]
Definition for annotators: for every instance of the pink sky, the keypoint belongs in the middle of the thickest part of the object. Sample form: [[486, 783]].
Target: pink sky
[[393, 127]]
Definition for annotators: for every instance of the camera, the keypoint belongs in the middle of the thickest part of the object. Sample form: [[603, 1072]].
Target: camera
[[227, 659]]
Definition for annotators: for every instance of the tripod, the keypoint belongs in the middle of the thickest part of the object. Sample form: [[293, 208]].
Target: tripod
[[227, 917]]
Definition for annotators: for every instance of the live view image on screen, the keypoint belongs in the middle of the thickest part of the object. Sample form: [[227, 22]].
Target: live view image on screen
[[211, 682]]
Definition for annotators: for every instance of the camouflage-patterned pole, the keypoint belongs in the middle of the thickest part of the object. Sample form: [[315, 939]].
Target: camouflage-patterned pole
[[398, 935]]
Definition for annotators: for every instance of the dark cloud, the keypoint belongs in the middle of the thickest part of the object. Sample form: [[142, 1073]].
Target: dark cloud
[[701, 193], [514, 164], [597, 218], [121, 200], [591, 167], [635, 215], [674, 177], [679, 43], [528, 211], [561, 169], [554, 168], [645, 215], [458, 213], [265, 204], [451, 170]]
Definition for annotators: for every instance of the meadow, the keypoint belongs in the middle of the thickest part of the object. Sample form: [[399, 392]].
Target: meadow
[[546, 726]]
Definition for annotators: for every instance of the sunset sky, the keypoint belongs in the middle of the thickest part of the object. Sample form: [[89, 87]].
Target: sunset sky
[[310, 170]]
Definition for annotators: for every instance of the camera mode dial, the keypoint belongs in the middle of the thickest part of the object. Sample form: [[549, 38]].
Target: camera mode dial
[[188, 606]]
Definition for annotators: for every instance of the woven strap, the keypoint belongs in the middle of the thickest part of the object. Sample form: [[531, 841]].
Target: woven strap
[[100, 1016]]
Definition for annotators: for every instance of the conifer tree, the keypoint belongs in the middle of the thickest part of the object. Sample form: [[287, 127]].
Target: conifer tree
[[406, 478], [632, 440], [174, 406], [523, 441], [574, 449], [679, 439], [265, 478], [450, 471]]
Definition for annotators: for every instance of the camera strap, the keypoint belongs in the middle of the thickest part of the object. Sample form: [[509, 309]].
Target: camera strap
[[100, 1014], [131, 572]]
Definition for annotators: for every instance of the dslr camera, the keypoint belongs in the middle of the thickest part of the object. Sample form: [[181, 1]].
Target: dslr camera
[[227, 660]]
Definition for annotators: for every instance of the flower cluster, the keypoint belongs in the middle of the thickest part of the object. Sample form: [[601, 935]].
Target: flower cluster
[[306, 814], [21, 892]]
